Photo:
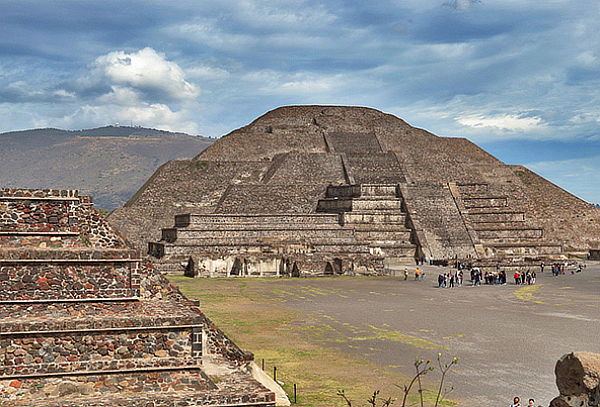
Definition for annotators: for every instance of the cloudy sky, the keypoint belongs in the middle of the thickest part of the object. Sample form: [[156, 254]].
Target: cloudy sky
[[519, 77]]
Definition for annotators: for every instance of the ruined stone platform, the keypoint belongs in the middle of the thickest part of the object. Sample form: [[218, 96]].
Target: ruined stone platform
[[85, 322]]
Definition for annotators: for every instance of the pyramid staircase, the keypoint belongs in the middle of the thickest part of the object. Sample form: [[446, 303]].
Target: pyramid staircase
[[375, 213], [501, 233]]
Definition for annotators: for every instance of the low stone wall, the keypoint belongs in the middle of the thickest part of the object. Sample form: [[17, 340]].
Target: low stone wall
[[30, 354], [37, 216], [150, 381], [578, 380], [47, 281]]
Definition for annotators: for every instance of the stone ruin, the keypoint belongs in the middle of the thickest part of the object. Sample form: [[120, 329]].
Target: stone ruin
[[325, 190], [86, 322], [578, 380]]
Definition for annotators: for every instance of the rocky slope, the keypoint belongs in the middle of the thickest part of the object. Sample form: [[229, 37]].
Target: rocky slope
[[110, 163]]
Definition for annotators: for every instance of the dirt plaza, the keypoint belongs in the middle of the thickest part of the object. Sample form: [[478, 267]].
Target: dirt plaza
[[508, 338]]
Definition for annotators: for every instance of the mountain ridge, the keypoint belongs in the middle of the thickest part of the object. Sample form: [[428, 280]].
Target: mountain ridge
[[108, 162]]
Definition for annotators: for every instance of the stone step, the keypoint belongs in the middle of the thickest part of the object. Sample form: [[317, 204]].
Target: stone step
[[189, 236], [496, 216], [502, 225], [141, 389], [374, 217], [520, 249], [485, 202], [347, 205], [512, 234], [384, 235], [362, 190], [209, 220]]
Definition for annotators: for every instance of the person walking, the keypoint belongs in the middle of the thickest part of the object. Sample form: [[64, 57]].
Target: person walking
[[405, 273]]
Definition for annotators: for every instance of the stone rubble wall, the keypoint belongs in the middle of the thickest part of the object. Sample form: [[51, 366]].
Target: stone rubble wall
[[563, 216], [33, 353], [37, 216], [97, 385], [346, 142], [294, 198], [53, 218], [47, 281], [376, 168], [309, 168]]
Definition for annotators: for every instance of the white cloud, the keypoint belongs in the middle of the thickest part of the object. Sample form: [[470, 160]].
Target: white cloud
[[204, 72], [146, 69], [507, 122], [155, 115]]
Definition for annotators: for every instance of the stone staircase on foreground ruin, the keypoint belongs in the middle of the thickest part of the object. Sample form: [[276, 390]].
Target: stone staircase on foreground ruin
[[374, 212], [501, 233], [83, 322]]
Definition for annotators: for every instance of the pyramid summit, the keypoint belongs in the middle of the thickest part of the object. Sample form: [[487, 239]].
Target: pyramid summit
[[345, 190]]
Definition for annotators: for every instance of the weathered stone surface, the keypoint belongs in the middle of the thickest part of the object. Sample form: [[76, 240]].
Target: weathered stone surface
[[578, 380], [91, 324]]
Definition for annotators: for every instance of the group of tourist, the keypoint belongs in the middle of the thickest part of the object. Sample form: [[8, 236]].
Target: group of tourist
[[528, 277], [450, 279], [454, 278], [560, 268]]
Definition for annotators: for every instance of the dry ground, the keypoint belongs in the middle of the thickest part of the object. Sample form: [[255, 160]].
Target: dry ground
[[363, 334]]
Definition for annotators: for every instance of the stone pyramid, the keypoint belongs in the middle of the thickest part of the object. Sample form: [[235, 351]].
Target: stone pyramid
[[333, 189]]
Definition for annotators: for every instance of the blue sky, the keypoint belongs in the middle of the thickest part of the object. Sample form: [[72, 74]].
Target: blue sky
[[518, 77]]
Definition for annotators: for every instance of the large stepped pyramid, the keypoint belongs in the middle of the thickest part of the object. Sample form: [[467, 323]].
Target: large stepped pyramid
[[390, 193], [85, 322]]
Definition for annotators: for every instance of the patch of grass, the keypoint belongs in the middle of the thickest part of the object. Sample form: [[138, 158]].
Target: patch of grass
[[395, 336], [527, 293], [291, 340], [201, 165]]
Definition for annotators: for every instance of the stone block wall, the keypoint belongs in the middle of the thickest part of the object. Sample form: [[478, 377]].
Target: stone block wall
[[348, 142], [293, 198], [52, 218], [37, 216], [82, 350], [375, 168], [86, 386], [303, 168], [34, 281]]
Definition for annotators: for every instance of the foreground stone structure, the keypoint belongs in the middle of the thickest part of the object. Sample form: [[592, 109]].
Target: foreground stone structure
[[85, 322], [328, 190], [578, 380]]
